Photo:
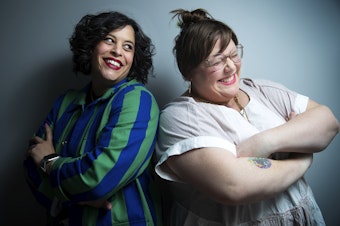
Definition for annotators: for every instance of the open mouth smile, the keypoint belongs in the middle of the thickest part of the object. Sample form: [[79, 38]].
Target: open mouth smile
[[229, 80], [115, 64]]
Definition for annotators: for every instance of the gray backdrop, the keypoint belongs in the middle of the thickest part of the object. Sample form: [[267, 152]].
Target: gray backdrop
[[291, 42]]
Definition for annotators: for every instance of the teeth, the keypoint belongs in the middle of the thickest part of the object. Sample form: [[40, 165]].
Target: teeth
[[227, 79], [113, 63]]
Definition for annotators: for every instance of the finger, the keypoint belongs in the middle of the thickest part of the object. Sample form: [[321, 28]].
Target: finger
[[48, 133], [107, 205], [28, 152], [36, 140], [32, 142], [291, 115]]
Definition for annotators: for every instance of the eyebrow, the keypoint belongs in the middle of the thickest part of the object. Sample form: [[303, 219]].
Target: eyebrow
[[221, 53]]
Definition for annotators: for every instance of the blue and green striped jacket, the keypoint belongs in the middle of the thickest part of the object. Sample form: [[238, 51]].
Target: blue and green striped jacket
[[105, 148]]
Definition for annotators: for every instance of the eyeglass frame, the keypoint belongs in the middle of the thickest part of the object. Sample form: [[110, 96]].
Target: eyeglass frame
[[239, 56]]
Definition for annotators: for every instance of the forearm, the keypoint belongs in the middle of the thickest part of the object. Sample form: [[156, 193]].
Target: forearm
[[38, 183], [262, 178], [234, 181], [103, 172], [308, 132]]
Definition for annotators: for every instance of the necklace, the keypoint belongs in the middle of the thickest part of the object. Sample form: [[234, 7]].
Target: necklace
[[242, 112], [242, 109]]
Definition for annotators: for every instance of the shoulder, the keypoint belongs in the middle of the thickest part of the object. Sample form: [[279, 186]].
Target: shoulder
[[261, 84], [181, 109], [73, 96], [134, 96], [274, 95], [182, 112], [133, 88], [184, 117], [267, 89]]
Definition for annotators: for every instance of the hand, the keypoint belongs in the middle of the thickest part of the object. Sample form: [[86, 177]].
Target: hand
[[291, 115], [104, 204], [39, 147], [261, 144]]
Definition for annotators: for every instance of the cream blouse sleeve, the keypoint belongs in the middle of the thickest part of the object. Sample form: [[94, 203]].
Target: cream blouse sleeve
[[186, 125]]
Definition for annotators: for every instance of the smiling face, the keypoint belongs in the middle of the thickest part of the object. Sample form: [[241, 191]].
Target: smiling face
[[113, 58], [217, 83]]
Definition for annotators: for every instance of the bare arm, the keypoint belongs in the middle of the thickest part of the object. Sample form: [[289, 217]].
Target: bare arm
[[230, 180], [308, 132]]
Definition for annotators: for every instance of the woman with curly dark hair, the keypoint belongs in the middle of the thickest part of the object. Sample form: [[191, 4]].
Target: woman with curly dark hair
[[93, 28], [88, 163]]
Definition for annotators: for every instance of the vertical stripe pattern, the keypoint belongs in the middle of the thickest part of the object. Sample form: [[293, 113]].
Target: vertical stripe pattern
[[105, 148]]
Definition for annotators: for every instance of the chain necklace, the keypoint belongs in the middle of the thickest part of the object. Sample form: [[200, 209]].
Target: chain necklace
[[242, 111]]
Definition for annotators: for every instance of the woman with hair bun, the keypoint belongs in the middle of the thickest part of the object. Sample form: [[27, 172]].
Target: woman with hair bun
[[232, 150]]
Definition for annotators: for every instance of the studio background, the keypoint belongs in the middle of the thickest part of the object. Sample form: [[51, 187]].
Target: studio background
[[292, 42]]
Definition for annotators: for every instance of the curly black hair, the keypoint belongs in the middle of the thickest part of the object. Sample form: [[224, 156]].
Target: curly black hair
[[91, 29]]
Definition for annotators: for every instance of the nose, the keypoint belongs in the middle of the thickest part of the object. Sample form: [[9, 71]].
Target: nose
[[229, 65], [116, 50]]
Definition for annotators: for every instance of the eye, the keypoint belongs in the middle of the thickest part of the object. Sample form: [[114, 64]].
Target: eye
[[235, 57], [214, 60], [109, 40], [128, 47], [218, 59]]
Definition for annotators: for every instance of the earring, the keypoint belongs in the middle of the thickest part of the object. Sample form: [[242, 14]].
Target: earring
[[189, 88]]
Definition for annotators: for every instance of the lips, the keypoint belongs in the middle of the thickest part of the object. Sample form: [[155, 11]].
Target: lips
[[112, 63], [229, 80]]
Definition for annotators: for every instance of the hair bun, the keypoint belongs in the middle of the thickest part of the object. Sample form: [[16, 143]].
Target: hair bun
[[186, 18]]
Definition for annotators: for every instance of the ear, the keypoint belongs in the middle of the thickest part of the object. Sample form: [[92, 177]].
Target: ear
[[189, 76]]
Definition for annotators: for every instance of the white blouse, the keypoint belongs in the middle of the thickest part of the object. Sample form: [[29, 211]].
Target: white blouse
[[186, 125]]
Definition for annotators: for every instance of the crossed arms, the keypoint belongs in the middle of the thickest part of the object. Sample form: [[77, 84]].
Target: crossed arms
[[251, 176]]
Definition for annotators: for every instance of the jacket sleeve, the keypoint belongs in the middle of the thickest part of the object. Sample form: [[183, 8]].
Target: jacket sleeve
[[39, 182]]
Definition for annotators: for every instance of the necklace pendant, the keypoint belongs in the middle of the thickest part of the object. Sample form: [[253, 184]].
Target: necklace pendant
[[244, 114]]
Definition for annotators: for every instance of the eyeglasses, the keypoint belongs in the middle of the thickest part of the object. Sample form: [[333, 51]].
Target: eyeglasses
[[219, 61]]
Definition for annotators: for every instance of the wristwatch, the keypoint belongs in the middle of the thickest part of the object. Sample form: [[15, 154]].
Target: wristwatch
[[46, 160]]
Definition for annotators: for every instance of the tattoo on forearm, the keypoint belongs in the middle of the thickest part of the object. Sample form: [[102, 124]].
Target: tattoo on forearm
[[262, 163]]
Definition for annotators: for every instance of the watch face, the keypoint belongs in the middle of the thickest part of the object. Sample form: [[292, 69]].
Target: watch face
[[43, 166], [47, 159]]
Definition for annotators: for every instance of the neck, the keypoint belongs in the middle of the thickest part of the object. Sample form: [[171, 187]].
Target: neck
[[94, 93], [235, 105], [227, 103]]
